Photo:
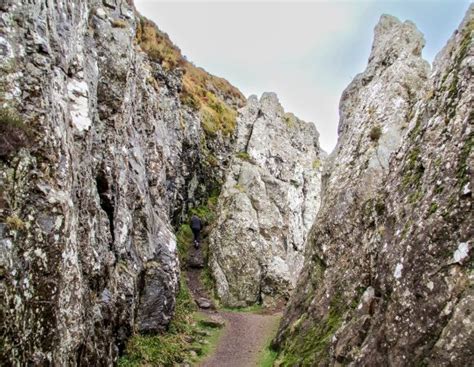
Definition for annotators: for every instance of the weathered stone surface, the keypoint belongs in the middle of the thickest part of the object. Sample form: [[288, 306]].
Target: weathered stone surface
[[267, 205], [387, 278], [88, 253], [204, 303]]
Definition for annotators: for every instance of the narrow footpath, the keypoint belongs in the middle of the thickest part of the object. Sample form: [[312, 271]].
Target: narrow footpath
[[245, 335]]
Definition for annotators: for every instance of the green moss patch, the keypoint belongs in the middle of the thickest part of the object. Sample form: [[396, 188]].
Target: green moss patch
[[312, 342], [463, 166], [243, 155]]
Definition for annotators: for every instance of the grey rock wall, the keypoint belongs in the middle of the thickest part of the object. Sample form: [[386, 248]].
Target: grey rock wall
[[88, 252], [267, 205], [388, 272]]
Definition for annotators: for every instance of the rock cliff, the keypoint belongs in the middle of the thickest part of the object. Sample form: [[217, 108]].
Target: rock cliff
[[388, 272], [108, 136], [267, 205]]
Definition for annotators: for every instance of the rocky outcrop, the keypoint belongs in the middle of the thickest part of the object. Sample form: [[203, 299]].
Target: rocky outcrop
[[388, 276], [116, 152], [267, 205]]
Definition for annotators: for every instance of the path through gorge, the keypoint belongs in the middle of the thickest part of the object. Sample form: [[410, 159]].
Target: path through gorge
[[245, 335]]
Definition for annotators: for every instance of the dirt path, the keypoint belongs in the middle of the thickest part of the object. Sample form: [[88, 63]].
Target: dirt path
[[245, 336]]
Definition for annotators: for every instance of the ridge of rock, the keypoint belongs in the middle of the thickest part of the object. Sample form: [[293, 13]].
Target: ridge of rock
[[387, 280], [267, 205], [119, 145]]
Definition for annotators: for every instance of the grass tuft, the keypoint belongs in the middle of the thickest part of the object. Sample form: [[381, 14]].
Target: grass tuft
[[14, 134], [187, 332], [243, 155], [119, 23], [15, 223], [375, 133]]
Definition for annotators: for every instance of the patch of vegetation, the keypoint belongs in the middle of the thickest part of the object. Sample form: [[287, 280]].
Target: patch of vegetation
[[433, 208], [119, 23], [243, 155], [290, 119], [184, 239], [413, 170], [268, 355], [312, 345], [217, 116], [157, 45], [375, 133], [207, 280], [206, 211], [163, 349], [14, 134], [15, 223], [463, 165], [250, 309], [316, 164], [415, 196], [201, 91], [188, 331], [416, 129]]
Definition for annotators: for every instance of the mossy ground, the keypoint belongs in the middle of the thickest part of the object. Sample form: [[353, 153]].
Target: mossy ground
[[250, 309], [187, 332], [268, 355]]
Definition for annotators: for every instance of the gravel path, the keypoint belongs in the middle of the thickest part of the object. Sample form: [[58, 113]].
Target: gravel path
[[245, 336]]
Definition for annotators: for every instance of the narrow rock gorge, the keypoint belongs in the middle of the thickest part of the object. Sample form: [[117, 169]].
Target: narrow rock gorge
[[110, 138]]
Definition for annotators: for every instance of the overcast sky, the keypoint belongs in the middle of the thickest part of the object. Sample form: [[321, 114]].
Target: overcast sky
[[307, 52]]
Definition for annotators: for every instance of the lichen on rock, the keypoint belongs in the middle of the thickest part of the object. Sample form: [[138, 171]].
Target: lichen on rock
[[395, 218], [267, 205]]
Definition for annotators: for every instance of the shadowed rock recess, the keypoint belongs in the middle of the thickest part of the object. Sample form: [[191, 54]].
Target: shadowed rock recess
[[110, 137], [387, 279]]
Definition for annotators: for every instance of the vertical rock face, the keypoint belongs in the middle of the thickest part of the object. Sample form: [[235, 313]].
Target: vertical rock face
[[267, 205], [388, 276], [87, 251]]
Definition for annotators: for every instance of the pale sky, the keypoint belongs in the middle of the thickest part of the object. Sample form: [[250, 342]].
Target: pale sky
[[305, 51]]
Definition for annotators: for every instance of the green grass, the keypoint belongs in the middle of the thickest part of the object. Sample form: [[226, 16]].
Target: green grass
[[267, 358], [312, 342], [249, 309], [213, 337], [186, 332], [268, 355], [184, 238], [243, 155], [462, 173]]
